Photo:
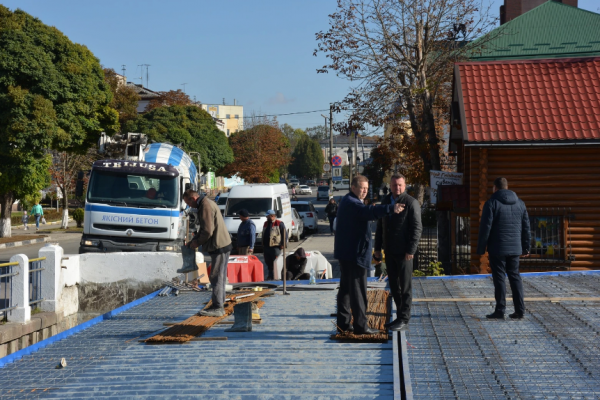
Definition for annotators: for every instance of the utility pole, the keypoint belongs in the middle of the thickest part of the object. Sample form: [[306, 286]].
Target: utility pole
[[183, 84], [124, 69], [146, 65], [331, 148], [355, 151]]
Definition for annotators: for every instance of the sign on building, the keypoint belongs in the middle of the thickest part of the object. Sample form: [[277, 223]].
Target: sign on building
[[210, 180], [442, 178]]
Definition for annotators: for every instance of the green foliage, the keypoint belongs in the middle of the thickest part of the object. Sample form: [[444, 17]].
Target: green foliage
[[434, 269], [189, 125], [25, 176], [125, 98], [52, 91], [307, 158], [30, 200], [318, 132], [346, 171], [78, 216], [49, 214]]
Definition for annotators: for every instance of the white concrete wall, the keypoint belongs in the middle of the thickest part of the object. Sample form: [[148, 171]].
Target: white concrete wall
[[138, 266], [314, 259]]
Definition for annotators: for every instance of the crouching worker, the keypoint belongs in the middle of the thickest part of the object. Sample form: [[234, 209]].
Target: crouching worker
[[295, 265]]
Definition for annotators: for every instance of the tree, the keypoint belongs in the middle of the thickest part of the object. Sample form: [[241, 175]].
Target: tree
[[293, 136], [308, 158], [318, 132], [52, 96], [259, 151], [125, 98], [170, 98], [401, 53], [189, 126], [64, 169]]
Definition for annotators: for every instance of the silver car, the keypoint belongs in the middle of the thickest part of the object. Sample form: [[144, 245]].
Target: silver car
[[297, 226]]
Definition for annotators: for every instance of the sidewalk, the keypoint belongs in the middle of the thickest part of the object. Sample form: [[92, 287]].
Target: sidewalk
[[22, 237]]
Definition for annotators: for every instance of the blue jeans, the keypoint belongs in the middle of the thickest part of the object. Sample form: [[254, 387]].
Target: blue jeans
[[37, 221]]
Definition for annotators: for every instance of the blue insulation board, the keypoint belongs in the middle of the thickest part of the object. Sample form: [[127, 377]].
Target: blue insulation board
[[288, 356]]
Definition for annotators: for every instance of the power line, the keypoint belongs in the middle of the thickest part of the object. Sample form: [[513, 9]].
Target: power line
[[293, 113]]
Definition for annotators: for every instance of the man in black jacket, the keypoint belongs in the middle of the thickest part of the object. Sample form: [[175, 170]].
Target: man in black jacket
[[295, 265], [399, 235], [504, 230]]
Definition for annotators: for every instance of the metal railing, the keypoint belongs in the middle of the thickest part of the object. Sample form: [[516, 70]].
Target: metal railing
[[427, 250], [461, 246], [6, 289], [35, 280]]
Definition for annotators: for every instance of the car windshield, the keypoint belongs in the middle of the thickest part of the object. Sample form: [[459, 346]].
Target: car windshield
[[222, 200], [303, 187], [255, 206], [324, 189], [301, 207], [130, 190]]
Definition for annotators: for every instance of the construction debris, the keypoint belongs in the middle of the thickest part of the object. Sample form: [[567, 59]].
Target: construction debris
[[379, 310], [196, 325]]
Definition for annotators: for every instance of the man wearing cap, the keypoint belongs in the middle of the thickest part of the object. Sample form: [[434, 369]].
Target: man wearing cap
[[273, 236], [214, 238], [246, 234]]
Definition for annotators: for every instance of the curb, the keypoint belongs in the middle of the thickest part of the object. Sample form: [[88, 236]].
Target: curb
[[10, 245]]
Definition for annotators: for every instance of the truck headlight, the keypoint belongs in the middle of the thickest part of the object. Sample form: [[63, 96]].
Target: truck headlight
[[167, 247], [91, 243]]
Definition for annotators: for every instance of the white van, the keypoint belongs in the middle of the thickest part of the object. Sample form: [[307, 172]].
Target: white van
[[344, 184], [257, 198]]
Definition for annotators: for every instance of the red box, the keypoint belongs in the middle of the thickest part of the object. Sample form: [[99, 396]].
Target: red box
[[244, 269]]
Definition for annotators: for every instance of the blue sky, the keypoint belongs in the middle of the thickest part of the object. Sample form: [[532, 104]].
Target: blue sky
[[257, 52]]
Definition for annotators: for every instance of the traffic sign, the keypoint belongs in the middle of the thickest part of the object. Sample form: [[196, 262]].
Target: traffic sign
[[326, 167], [336, 174], [336, 160]]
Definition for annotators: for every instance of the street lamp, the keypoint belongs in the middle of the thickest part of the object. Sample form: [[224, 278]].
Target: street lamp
[[350, 164]]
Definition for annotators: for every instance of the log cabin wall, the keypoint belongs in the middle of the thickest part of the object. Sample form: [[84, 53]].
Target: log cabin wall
[[541, 177]]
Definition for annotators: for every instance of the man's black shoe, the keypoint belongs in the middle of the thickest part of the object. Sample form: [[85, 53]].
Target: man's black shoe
[[516, 316], [398, 326], [368, 331], [350, 329], [495, 315], [391, 323]]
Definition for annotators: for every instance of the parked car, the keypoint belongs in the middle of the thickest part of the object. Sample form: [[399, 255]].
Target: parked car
[[323, 192], [297, 226], [344, 184], [303, 189], [222, 202], [311, 183], [293, 182], [309, 215]]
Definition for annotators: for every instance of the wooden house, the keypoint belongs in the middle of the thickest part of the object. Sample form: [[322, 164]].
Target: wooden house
[[533, 116]]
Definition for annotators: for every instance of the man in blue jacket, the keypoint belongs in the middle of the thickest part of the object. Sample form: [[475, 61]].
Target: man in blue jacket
[[246, 234], [353, 249], [504, 230]]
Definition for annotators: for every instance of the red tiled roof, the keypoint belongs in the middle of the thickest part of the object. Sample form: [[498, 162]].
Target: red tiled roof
[[556, 99]]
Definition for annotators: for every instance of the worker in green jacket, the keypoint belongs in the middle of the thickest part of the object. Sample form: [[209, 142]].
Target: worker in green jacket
[[37, 212]]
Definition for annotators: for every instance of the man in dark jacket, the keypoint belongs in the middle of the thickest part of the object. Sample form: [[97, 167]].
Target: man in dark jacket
[[214, 238], [353, 249], [504, 230], [295, 265], [399, 235], [331, 211], [246, 234]]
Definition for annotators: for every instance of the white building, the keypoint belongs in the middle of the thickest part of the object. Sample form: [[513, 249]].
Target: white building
[[341, 143]]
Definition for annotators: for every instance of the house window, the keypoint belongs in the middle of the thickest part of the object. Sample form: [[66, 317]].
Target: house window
[[227, 116], [227, 132], [237, 116], [549, 239]]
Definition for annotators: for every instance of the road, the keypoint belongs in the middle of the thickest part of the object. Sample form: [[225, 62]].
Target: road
[[70, 241]]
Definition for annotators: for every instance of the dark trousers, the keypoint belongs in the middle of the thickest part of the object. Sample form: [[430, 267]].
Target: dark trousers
[[399, 273], [507, 265], [218, 278], [331, 219], [303, 277], [352, 297], [271, 254]]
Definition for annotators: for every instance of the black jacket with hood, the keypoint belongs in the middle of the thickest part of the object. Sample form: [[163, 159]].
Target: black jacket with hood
[[504, 226]]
